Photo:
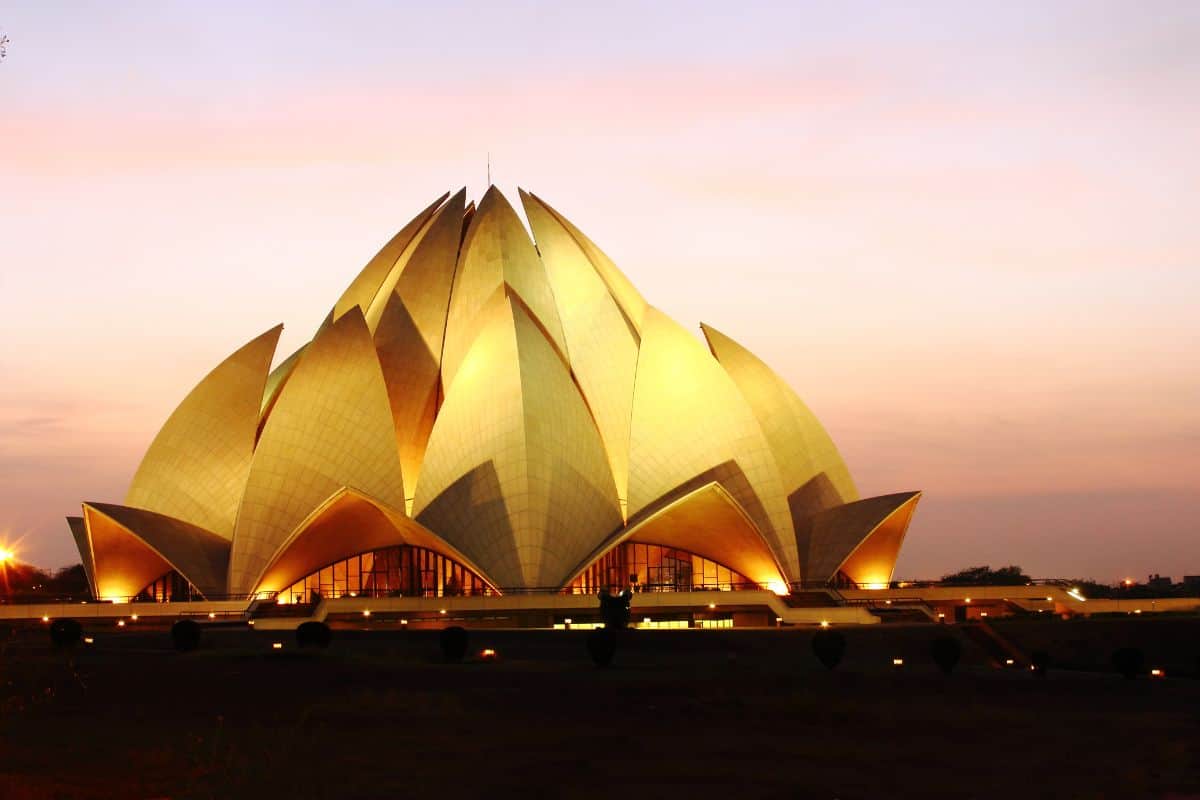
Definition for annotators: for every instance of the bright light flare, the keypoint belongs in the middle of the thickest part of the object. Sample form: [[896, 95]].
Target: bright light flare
[[778, 587], [1077, 595], [6, 555]]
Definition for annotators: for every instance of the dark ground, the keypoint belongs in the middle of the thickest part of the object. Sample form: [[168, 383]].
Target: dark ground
[[684, 714]]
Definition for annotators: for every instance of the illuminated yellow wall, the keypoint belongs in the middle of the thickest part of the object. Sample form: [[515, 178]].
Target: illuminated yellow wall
[[330, 428], [517, 407], [196, 466], [515, 475]]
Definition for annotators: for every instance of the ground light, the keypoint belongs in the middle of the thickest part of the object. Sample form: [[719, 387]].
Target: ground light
[[133, 617], [45, 618], [276, 645], [487, 654], [1008, 662], [88, 640], [712, 606], [212, 615], [1157, 673], [120, 623], [897, 662], [824, 623], [366, 612]]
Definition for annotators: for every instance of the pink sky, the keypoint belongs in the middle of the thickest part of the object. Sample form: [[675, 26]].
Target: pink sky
[[967, 238]]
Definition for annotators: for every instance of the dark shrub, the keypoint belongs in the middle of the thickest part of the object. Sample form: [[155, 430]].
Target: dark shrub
[[602, 646], [186, 635], [1040, 661], [1129, 661], [454, 643], [65, 632], [946, 652], [313, 634], [829, 647], [614, 609]]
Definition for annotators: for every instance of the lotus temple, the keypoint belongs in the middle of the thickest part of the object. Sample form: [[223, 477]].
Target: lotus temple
[[493, 425]]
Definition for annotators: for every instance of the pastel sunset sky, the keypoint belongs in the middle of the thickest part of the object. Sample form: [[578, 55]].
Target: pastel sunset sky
[[968, 234]]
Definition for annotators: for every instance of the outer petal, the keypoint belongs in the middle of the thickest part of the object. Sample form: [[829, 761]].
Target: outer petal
[[84, 545], [603, 346], [320, 539], [515, 475], [364, 288], [132, 547], [196, 467], [860, 539], [706, 521], [331, 427], [802, 448], [689, 420], [497, 259], [631, 302]]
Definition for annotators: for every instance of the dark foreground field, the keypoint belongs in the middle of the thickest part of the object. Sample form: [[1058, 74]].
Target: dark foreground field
[[682, 714]]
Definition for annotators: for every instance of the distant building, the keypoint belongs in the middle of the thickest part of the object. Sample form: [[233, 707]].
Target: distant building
[[1157, 581]]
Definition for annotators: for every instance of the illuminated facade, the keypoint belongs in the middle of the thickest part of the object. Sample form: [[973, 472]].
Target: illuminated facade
[[480, 414]]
